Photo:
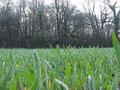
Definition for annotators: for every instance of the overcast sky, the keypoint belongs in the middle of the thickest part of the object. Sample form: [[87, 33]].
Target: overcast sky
[[78, 3], [81, 3]]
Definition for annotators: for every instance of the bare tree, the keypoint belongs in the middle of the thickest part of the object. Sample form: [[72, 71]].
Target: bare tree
[[116, 16], [34, 24]]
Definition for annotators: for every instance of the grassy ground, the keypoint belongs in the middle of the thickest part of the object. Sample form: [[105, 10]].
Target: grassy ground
[[58, 69]]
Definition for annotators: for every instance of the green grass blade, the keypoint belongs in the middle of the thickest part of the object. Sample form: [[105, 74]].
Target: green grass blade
[[117, 47], [4, 82], [91, 83], [35, 84], [61, 83]]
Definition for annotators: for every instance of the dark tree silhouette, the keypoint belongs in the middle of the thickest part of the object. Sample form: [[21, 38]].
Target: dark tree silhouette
[[35, 24]]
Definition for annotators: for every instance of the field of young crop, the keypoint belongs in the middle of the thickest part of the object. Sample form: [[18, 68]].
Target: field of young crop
[[60, 69]]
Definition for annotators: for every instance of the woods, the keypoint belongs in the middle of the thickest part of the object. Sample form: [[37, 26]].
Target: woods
[[33, 24]]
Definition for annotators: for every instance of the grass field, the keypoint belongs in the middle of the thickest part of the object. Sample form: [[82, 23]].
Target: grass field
[[58, 69]]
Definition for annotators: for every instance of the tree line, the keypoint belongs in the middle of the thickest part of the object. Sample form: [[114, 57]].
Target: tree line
[[35, 24]]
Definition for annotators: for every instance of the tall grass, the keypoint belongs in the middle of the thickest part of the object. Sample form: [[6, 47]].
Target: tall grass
[[117, 67]]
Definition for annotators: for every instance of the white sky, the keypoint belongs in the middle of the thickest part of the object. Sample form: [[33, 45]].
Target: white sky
[[80, 3]]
